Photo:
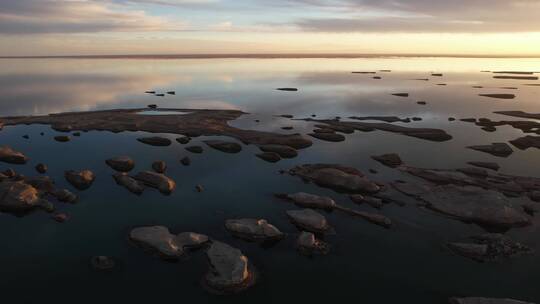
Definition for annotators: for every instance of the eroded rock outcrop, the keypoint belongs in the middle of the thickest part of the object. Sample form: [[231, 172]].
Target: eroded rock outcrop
[[253, 229], [165, 244], [121, 163], [489, 248], [81, 180], [308, 219], [308, 244], [224, 146], [128, 182], [229, 269], [8, 155], [159, 181]]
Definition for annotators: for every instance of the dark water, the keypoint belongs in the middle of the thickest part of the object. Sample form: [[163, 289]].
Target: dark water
[[46, 262]]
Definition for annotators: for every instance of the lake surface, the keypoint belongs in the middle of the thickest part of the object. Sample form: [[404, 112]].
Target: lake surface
[[43, 261]]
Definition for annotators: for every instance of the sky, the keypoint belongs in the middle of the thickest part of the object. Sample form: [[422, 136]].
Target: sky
[[116, 27]]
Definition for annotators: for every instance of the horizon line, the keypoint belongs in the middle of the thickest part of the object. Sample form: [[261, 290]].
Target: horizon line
[[264, 56]]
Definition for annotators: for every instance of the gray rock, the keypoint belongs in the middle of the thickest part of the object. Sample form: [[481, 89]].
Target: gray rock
[[18, 197], [128, 182], [195, 149], [8, 155], [332, 137], [65, 196], [487, 165], [308, 244], [81, 180], [224, 146], [270, 157], [336, 177], [496, 149], [229, 270], [281, 150], [307, 200], [155, 141], [489, 248], [121, 163], [166, 244], [309, 220], [372, 201], [156, 180], [391, 160], [253, 229]]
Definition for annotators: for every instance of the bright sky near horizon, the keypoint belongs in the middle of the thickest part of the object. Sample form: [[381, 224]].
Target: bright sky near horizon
[[98, 27]]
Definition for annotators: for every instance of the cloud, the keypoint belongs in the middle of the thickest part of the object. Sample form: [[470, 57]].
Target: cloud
[[75, 16], [457, 16]]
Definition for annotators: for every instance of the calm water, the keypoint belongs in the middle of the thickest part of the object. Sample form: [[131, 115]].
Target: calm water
[[43, 261]]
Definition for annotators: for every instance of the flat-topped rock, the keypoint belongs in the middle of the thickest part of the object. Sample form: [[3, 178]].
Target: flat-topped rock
[[270, 157], [309, 220], [307, 200], [391, 160], [336, 177], [81, 180], [8, 155], [229, 270], [155, 141], [472, 204], [281, 150], [499, 96], [195, 149], [166, 244], [332, 137], [489, 248], [156, 180], [487, 165], [308, 244], [128, 182], [495, 149], [253, 229], [121, 163], [224, 146]]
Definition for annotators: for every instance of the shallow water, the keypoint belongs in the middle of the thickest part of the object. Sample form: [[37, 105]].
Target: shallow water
[[44, 261]]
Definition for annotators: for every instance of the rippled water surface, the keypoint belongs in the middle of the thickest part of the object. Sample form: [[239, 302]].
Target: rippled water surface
[[43, 261]]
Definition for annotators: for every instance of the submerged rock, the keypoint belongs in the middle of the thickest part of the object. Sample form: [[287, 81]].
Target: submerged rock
[[270, 157], [308, 244], [159, 166], [489, 248], [224, 146], [41, 168], [496, 149], [253, 229], [307, 200], [156, 180], [155, 141], [62, 138], [308, 219], [128, 182], [478, 300], [487, 165], [332, 137], [102, 262], [195, 149], [65, 196], [121, 163], [60, 217], [166, 244], [336, 177], [185, 161], [391, 160], [372, 201], [281, 150], [229, 270], [81, 180], [183, 140], [8, 155]]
